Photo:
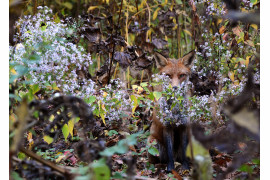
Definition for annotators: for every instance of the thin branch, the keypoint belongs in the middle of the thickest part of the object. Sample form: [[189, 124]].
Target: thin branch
[[114, 43], [45, 162]]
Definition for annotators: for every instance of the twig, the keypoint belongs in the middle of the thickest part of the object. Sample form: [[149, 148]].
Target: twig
[[138, 177], [149, 20], [114, 43], [45, 162]]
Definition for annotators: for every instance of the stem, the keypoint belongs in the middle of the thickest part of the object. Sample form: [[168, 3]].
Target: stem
[[128, 77], [127, 23], [142, 76], [114, 43], [34, 7], [178, 39], [117, 65]]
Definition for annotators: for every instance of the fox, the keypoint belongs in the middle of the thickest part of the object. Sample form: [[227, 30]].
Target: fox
[[172, 140]]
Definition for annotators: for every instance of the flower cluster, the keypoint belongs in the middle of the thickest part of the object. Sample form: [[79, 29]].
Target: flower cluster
[[51, 59], [172, 106], [114, 101]]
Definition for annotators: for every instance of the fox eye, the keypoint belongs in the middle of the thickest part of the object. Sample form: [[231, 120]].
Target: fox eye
[[170, 76], [182, 75]]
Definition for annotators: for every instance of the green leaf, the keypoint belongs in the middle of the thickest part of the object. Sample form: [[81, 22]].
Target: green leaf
[[43, 28], [65, 131], [135, 103], [117, 175], [122, 146], [151, 96], [246, 168], [90, 100], [34, 57], [54, 87], [179, 2], [154, 151], [21, 156], [35, 88], [15, 176], [144, 84], [68, 5], [254, 2], [96, 112], [112, 132], [157, 95], [101, 170]]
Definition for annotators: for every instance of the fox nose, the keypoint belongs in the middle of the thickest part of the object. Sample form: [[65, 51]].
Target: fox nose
[[175, 88]]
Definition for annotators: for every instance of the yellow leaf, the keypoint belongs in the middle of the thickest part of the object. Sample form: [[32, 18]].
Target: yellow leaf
[[175, 27], [155, 13], [30, 140], [142, 4], [134, 103], [105, 94], [13, 71], [171, 7], [51, 118], [244, 10], [71, 126], [29, 136], [231, 76], [48, 139], [247, 60], [91, 8], [140, 90], [103, 107], [106, 132], [69, 114], [148, 34], [254, 26], [132, 9], [103, 118], [187, 32], [134, 87], [236, 82], [174, 21], [59, 158], [219, 21], [163, 4], [56, 88]]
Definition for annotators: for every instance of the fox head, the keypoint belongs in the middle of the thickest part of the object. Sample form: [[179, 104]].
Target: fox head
[[177, 70]]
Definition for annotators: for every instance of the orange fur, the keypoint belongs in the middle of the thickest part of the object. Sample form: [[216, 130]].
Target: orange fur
[[178, 71]]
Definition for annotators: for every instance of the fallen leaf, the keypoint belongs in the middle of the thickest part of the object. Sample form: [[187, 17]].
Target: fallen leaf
[[236, 30], [222, 29]]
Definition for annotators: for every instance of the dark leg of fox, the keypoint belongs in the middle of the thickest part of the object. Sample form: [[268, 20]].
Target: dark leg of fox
[[180, 145], [168, 139], [184, 145]]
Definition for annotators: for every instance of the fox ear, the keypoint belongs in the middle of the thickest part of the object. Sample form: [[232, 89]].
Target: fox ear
[[188, 58], [161, 61]]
